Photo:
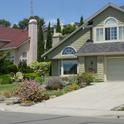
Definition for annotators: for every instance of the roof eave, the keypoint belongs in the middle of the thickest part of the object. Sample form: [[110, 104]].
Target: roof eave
[[9, 48], [98, 54], [102, 9]]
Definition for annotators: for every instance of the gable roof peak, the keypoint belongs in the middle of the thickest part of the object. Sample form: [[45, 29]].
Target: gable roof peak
[[110, 4]]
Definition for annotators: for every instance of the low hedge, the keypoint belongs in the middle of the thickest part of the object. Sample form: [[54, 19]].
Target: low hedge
[[31, 75], [34, 76], [5, 79]]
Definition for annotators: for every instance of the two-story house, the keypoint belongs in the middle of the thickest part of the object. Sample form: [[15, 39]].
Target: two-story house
[[97, 46]]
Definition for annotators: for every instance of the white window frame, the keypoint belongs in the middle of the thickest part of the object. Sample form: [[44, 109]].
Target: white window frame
[[108, 26], [119, 32], [62, 67], [68, 54], [23, 58]]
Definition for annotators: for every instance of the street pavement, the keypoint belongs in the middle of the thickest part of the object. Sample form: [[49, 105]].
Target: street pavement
[[23, 118]]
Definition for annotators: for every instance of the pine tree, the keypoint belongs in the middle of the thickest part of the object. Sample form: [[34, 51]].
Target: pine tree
[[58, 26], [81, 20], [49, 38]]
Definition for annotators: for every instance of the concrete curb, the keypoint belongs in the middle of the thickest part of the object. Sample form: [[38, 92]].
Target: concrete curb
[[62, 111]]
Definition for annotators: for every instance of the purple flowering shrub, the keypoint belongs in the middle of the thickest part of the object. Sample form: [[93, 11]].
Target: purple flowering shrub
[[31, 91]]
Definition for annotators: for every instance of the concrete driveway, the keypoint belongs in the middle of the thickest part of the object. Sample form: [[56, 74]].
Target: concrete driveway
[[92, 101], [101, 96]]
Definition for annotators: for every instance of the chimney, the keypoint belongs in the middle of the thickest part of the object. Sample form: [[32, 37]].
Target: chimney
[[33, 33]]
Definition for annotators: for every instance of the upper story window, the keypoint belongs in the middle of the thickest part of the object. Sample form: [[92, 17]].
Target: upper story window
[[68, 51], [111, 31], [110, 22]]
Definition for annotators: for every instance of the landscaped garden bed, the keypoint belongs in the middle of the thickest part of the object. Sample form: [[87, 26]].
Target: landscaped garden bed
[[27, 85]]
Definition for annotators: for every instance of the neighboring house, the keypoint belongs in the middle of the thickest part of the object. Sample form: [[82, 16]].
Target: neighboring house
[[97, 46], [20, 44]]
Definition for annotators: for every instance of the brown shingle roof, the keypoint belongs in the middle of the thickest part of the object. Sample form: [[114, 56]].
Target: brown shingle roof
[[101, 48], [12, 37]]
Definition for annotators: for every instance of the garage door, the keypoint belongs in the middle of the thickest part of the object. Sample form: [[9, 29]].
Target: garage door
[[115, 69]]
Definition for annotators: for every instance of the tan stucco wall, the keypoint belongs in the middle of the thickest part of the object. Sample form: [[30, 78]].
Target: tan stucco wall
[[76, 41], [20, 50]]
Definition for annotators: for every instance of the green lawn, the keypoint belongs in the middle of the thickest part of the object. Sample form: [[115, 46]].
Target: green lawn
[[7, 87]]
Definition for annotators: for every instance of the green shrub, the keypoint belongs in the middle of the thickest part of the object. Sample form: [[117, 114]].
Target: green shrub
[[7, 66], [86, 78], [34, 76], [5, 79], [72, 87], [39, 79], [70, 80], [12, 68], [31, 75], [43, 68], [22, 67]]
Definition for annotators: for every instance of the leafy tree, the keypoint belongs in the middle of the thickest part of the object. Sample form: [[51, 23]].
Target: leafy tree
[[4, 23], [49, 38], [58, 26], [6, 66], [23, 24], [68, 29], [40, 21], [15, 26], [81, 20]]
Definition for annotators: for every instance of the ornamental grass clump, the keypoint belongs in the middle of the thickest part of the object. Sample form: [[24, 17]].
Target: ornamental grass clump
[[30, 91], [54, 83]]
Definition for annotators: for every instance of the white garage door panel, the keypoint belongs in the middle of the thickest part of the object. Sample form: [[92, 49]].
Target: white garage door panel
[[115, 69]]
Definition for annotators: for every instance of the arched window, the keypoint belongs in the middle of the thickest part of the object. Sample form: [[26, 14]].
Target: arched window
[[110, 22], [68, 51], [111, 29]]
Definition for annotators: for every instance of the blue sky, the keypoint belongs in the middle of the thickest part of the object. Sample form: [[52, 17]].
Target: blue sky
[[67, 10]]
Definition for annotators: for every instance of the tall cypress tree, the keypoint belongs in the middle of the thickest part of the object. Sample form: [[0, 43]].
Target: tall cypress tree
[[49, 38], [40, 49], [58, 26], [81, 20]]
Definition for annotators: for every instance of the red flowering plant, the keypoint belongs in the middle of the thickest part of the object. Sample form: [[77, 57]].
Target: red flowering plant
[[30, 91]]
